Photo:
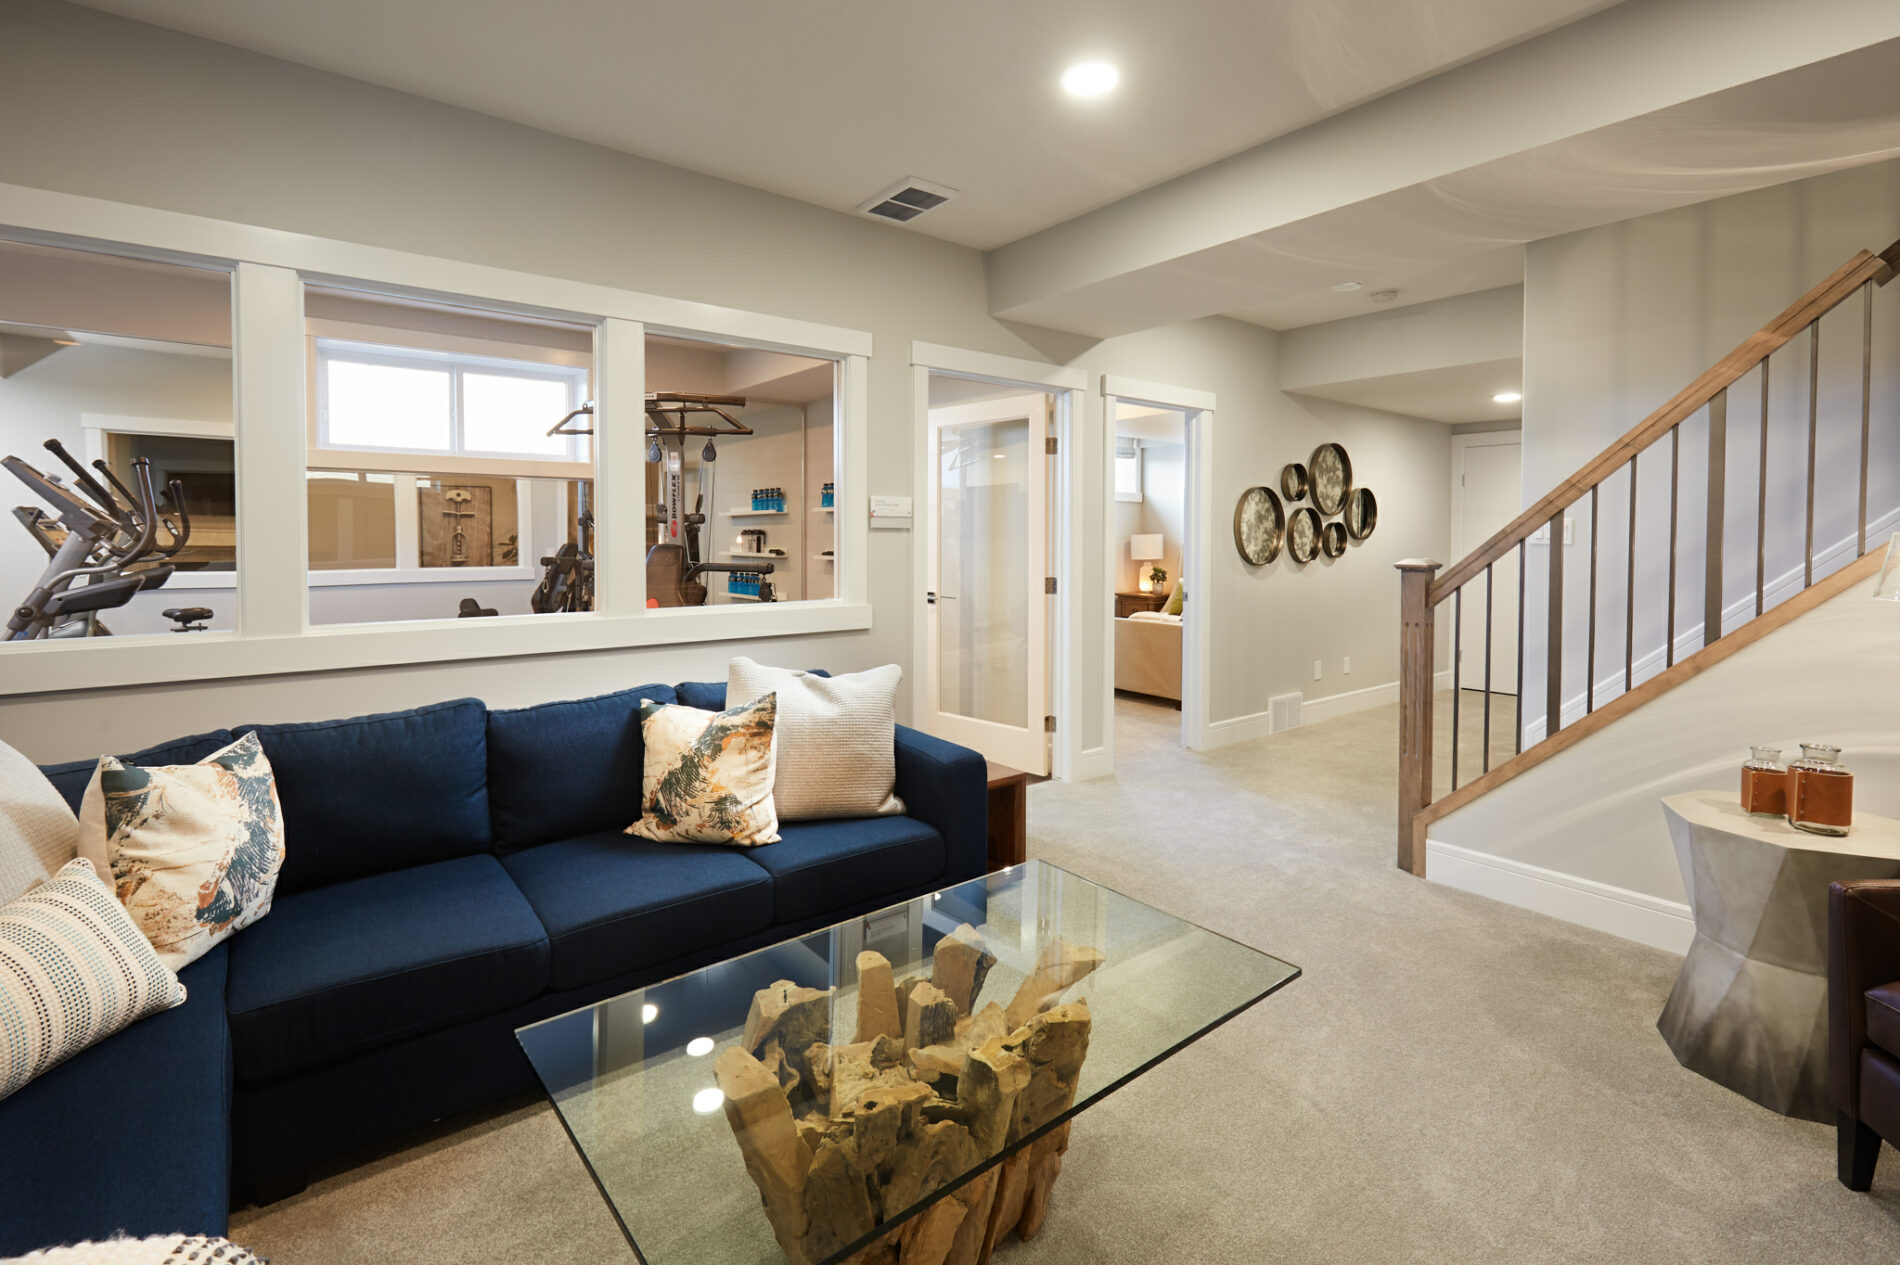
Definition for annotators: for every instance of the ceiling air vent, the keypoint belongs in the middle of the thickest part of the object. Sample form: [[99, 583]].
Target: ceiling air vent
[[907, 199]]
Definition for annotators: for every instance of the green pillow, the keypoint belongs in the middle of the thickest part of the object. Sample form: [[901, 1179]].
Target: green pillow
[[1175, 599]]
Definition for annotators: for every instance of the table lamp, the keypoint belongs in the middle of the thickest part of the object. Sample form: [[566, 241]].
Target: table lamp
[[1146, 547]]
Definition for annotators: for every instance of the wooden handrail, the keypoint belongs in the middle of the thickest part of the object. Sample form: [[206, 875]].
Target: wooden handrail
[[1757, 347], [1424, 589]]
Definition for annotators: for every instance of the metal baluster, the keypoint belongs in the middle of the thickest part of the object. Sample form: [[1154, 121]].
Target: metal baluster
[[1675, 466], [1761, 495], [1590, 657], [1486, 757], [1519, 699], [1866, 405], [1717, 522], [1457, 662], [1554, 633], [1814, 417], [1629, 597]]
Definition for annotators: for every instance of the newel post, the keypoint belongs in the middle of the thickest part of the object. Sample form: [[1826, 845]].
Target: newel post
[[1415, 706]]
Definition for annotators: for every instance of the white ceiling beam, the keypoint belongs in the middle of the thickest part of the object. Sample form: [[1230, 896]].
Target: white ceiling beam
[[1174, 251]]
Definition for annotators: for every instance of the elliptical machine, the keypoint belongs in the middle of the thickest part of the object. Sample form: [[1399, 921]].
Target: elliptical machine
[[101, 550]]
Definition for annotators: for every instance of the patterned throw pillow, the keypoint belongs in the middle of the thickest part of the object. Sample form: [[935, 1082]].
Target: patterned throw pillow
[[194, 848], [708, 776], [73, 971]]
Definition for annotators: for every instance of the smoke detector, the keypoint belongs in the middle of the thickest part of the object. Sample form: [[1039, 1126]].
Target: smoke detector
[[1383, 296], [907, 199]]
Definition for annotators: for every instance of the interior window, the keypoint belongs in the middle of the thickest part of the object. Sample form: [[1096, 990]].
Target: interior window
[[116, 432], [741, 475], [451, 462], [1127, 470]]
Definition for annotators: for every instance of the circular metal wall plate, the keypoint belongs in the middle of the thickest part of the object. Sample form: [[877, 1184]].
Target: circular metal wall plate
[[1302, 534], [1332, 539], [1259, 526], [1362, 513], [1293, 482], [1331, 471]]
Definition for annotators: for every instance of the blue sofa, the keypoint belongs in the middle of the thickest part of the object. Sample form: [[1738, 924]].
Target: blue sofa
[[451, 874]]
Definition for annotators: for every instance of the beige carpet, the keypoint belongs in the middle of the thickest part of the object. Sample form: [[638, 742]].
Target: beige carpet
[[1453, 1080]]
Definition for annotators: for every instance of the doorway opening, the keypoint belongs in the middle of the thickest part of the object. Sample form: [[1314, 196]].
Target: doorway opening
[[1160, 442]]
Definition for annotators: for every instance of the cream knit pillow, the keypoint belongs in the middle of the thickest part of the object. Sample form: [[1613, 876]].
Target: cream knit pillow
[[837, 738], [37, 830]]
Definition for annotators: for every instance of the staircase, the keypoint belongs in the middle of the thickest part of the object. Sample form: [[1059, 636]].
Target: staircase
[[1652, 450]]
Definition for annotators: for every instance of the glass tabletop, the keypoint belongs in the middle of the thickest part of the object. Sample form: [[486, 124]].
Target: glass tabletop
[[810, 1098]]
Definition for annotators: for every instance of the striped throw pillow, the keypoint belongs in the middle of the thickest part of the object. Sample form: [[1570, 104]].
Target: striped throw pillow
[[74, 969]]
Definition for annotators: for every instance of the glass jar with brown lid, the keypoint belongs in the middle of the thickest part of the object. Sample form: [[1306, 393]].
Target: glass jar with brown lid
[[1820, 791], [1764, 783]]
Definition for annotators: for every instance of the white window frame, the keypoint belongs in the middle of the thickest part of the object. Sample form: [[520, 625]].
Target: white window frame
[[1141, 471], [269, 269], [457, 365]]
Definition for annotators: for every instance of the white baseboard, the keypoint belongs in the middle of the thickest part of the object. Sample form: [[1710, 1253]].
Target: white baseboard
[[1650, 920], [1223, 733], [1689, 640]]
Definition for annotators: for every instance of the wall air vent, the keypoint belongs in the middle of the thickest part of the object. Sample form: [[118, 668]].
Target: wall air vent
[[1283, 712], [907, 199]]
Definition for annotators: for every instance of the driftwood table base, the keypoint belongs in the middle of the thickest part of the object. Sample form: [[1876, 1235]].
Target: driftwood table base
[[842, 1138]]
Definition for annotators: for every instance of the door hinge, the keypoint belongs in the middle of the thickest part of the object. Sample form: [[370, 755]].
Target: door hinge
[[1048, 724], [1050, 445], [1049, 584]]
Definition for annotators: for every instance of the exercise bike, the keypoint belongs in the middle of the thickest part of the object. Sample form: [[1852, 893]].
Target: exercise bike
[[101, 550]]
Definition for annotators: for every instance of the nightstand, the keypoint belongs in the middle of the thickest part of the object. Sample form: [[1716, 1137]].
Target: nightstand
[[1127, 604]]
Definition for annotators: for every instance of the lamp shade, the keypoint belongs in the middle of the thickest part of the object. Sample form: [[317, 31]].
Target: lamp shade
[[1145, 547]]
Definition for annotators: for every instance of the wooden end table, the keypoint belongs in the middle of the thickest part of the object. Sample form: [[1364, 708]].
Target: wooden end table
[[1009, 816]]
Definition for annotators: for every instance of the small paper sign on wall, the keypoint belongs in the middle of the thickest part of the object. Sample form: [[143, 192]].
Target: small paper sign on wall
[[890, 513]]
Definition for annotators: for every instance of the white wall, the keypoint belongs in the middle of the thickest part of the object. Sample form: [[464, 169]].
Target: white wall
[[168, 121], [1618, 319], [1591, 813]]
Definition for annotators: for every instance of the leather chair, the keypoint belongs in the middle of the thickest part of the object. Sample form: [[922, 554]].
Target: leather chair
[[1863, 1003]]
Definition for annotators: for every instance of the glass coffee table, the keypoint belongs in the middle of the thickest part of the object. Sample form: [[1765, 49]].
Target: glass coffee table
[[892, 1090]]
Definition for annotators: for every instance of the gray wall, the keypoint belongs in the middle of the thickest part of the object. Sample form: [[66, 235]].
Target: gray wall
[[1618, 319], [134, 114]]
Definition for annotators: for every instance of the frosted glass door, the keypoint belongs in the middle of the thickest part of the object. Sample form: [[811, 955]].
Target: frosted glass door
[[987, 611]]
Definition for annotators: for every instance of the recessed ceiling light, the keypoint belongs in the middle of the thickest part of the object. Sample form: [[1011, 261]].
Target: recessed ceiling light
[[649, 1012], [1347, 287], [1090, 79], [1383, 296], [707, 1101], [699, 1046], [1507, 397]]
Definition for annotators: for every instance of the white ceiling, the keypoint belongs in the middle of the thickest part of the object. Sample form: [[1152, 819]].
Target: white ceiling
[[831, 103]]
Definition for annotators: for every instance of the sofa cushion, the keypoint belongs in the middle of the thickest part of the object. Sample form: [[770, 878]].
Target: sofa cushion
[[613, 904], [819, 866], [1883, 1017], [377, 793], [361, 963], [72, 777], [129, 1135], [566, 769]]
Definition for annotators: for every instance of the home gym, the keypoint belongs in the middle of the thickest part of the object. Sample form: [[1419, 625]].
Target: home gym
[[450, 457]]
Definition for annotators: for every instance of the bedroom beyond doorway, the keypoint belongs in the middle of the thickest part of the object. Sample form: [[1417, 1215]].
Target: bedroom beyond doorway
[[1148, 526]]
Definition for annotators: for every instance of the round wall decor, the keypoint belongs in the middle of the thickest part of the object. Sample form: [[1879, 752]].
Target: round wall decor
[[1293, 482], [1259, 526], [1331, 471], [1362, 513], [1302, 534], [1332, 539]]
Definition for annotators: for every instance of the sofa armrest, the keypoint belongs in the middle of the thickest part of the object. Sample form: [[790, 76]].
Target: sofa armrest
[[1863, 952], [947, 788]]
